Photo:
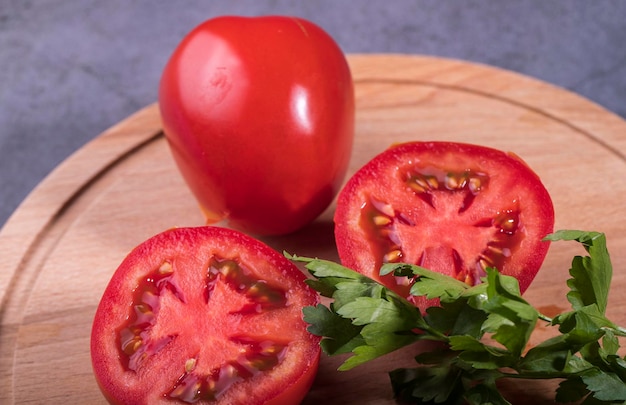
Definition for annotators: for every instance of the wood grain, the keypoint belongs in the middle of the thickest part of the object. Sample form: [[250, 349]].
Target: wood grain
[[61, 246]]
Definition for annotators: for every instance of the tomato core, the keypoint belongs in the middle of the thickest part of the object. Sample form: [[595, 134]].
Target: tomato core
[[447, 195]]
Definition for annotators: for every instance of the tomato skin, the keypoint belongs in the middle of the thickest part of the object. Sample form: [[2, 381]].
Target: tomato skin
[[444, 206], [259, 115], [201, 328]]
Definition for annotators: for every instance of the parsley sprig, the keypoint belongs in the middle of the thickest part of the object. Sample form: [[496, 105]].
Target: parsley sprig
[[484, 330]]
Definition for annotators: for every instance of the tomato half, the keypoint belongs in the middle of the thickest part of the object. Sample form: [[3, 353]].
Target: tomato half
[[259, 115], [450, 207], [204, 315]]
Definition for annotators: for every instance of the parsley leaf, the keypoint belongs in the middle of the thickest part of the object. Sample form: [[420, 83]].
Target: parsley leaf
[[439, 384], [605, 386], [365, 317], [484, 330], [591, 275], [430, 283], [340, 335]]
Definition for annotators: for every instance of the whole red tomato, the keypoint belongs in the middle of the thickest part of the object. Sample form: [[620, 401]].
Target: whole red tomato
[[450, 207], [204, 315], [259, 115]]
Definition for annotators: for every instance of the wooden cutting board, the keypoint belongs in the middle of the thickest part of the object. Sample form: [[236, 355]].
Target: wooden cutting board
[[61, 246]]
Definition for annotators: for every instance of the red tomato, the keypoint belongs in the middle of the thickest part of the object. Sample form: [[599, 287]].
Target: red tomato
[[259, 114], [449, 207], [204, 315]]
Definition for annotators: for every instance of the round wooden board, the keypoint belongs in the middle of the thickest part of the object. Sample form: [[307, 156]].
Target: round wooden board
[[61, 246]]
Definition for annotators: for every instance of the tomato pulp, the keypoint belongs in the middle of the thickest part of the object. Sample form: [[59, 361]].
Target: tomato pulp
[[204, 315], [450, 207], [259, 116]]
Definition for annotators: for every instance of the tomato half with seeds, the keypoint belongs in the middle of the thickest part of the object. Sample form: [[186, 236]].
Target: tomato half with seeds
[[450, 207], [204, 315]]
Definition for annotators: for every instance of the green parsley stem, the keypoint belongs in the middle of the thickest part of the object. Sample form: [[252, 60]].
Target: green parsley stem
[[545, 318], [544, 375], [617, 330]]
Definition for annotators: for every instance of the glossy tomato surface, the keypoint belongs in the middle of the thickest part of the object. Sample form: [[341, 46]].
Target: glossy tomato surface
[[451, 207], [259, 115], [204, 315]]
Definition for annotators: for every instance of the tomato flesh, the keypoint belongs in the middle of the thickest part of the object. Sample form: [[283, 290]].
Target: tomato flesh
[[259, 116], [204, 315], [449, 207]]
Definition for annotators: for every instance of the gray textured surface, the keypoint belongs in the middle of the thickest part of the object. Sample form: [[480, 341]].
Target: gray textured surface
[[70, 69]]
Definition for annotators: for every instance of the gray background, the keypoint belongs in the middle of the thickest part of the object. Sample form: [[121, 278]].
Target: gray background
[[70, 69]]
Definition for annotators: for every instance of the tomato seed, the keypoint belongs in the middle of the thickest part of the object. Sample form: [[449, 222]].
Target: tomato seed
[[256, 357], [166, 268], [485, 263], [475, 184], [132, 335], [467, 278], [452, 182], [262, 295], [381, 220], [393, 256], [418, 185], [190, 364], [497, 250], [423, 180], [383, 207], [507, 221], [432, 181]]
